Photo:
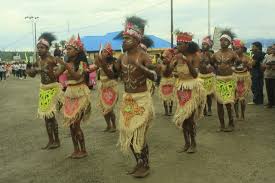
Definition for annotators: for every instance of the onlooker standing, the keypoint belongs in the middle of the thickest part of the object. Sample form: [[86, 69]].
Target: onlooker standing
[[269, 75], [2, 71], [16, 69], [24, 68], [257, 73], [20, 70]]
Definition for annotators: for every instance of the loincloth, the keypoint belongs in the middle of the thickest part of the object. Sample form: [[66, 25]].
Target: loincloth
[[191, 97], [108, 95], [243, 86], [208, 82], [49, 100], [77, 104], [225, 89], [136, 115], [167, 89]]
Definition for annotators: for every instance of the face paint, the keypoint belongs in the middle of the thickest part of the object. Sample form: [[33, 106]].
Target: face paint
[[129, 42], [42, 49], [205, 46], [224, 43]]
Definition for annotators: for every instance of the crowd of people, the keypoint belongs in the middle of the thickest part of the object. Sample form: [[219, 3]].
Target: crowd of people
[[17, 69], [188, 78]]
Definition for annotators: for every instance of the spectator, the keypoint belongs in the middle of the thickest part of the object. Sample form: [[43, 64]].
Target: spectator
[[2, 71], [24, 68], [269, 75], [257, 73], [57, 51]]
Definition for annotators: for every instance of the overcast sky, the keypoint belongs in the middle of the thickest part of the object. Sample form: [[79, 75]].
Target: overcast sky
[[248, 18]]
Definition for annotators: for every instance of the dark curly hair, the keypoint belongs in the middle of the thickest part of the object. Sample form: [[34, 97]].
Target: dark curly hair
[[192, 47], [48, 37]]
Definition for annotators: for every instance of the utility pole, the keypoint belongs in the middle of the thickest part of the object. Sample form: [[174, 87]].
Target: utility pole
[[209, 23], [33, 23], [172, 25]]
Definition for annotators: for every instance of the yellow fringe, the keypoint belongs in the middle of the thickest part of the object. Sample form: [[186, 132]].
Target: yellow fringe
[[205, 77], [56, 101], [134, 131], [105, 109], [218, 95], [167, 81], [196, 102], [83, 94]]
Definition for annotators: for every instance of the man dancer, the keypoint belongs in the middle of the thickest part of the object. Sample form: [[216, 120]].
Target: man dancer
[[167, 82], [225, 84], [49, 89], [191, 96], [241, 71], [207, 73], [136, 110]]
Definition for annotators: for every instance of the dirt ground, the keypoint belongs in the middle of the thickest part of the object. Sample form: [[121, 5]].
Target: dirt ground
[[246, 155]]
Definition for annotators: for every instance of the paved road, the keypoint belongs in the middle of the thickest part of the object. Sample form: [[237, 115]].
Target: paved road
[[246, 155]]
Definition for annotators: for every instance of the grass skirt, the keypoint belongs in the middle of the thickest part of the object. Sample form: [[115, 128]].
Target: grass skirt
[[49, 97], [208, 82], [243, 85], [108, 95], [77, 104], [225, 87], [191, 96], [167, 89], [136, 115]]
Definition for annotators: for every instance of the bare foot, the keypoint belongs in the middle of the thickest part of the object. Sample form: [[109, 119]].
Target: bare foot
[[183, 149], [142, 172], [130, 172], [47, 146], [81, 154], [54, 145], [112, 130], [107, 129], [73, 155]]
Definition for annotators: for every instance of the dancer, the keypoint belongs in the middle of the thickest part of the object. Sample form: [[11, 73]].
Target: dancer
[[225, 84], [50, 89], [108, 90], [77, 105], [207, 73], [136, 110], [241, 71], [167, 82], [191, 96]]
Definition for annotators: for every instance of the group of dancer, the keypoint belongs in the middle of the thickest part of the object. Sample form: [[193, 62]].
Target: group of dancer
[[189, 79]]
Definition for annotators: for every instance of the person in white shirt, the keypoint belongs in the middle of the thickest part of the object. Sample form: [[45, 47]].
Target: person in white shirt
[[24, 67], [2, 71]]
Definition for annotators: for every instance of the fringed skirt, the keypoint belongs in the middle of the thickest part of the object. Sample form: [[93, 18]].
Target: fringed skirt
[[225, 87], [136, 115], [243, 85], [49, 100], [108, 95], [191, 97], [150, 86], [77, 104], [208, 82], [167, 89]]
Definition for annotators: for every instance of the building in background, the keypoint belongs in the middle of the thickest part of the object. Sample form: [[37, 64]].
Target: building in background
[[92, 44]]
